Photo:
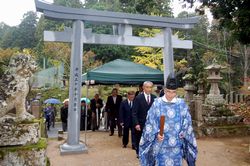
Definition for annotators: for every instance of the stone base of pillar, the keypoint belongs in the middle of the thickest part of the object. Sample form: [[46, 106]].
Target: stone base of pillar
[[73, 149]]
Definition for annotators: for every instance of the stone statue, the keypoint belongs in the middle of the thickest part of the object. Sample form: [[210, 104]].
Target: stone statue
[[14, 86]]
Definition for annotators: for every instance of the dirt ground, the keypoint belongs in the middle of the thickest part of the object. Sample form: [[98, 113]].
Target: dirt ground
[[105, 150]]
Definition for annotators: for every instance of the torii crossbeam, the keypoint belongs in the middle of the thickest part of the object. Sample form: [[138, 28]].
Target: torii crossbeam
[[79, 36]]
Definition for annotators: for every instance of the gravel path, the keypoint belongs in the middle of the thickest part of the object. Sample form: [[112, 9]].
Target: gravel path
[[105, 150]]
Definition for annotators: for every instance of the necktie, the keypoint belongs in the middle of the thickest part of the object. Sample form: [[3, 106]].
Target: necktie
[[130, 104], [148, 101]]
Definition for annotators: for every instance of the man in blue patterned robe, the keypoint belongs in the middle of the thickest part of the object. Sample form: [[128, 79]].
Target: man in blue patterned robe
[[167, 150]]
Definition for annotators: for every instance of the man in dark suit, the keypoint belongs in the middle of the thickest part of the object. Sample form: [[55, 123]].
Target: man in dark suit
[[112, 107], [140, 90], [126, 119], [95, 105], [64, 115], [140, 109], [82, 118]]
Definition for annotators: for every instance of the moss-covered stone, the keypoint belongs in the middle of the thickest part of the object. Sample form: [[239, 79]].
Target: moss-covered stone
[[12, 134], [224, 131], [29, 155], [41, 144]]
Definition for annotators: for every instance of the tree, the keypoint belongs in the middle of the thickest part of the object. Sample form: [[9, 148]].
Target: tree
[[26, 31], [149, 56], [9, 38], [4, 28], [54, 53], [69, 3], [149, 7], [106, 53], [5, 55], [22, 36], [89, 61], [233, 15]]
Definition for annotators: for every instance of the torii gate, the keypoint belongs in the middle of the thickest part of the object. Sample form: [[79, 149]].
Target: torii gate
[[123, 23]]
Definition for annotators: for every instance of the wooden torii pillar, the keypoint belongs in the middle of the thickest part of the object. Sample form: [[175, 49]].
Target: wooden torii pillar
[[78, 36]]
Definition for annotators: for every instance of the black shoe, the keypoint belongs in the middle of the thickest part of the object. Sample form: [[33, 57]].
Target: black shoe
[[133, 147], [124, 146], [111, 134], [137, 156]]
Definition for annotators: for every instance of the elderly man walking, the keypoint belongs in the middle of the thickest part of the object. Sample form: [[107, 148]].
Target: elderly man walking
[[140, 109]]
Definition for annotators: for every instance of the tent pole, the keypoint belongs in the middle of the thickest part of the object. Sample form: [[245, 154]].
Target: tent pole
[[86, 113]]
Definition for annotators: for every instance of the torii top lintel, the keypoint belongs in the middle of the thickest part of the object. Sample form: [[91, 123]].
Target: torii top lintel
[[66, 13]]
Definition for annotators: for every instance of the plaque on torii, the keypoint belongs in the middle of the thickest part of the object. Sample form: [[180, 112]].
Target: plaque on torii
[[123, 36]]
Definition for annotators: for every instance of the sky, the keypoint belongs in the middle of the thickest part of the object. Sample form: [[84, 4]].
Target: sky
[[11, 11]]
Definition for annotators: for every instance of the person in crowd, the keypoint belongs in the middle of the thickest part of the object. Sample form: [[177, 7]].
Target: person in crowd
[[140, 109], [140, 90], [47, 115], [83, 113], [112, 107], [177, 139], [126, 119], [159, 91], [64, 115], [53, 115], [95, 105]]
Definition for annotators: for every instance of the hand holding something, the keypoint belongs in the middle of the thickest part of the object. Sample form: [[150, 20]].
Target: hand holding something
[[160, 138], [138, 127]]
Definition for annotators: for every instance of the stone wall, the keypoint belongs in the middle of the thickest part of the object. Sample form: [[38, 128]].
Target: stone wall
[[224, 131]]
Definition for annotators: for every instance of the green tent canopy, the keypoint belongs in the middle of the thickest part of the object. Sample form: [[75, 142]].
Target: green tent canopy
[[123, 72]]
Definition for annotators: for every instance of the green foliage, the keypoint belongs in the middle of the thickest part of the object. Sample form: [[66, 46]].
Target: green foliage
[[4, 28], [5, 55], [224, 111], [106, 53], [22, 36], [57, 93], [149, 56], [207, 43], [89, 61], [54, 52], [149, 7], [69, 3], [109, 53], [8, 38], [181, 65], [233, 15]]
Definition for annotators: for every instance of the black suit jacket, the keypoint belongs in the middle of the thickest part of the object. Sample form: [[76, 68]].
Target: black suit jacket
[[93, 103], [140, 109], [113, 109], [125, 114]]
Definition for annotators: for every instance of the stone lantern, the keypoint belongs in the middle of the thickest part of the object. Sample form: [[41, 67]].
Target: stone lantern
[[214, 97], [189, 87]]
